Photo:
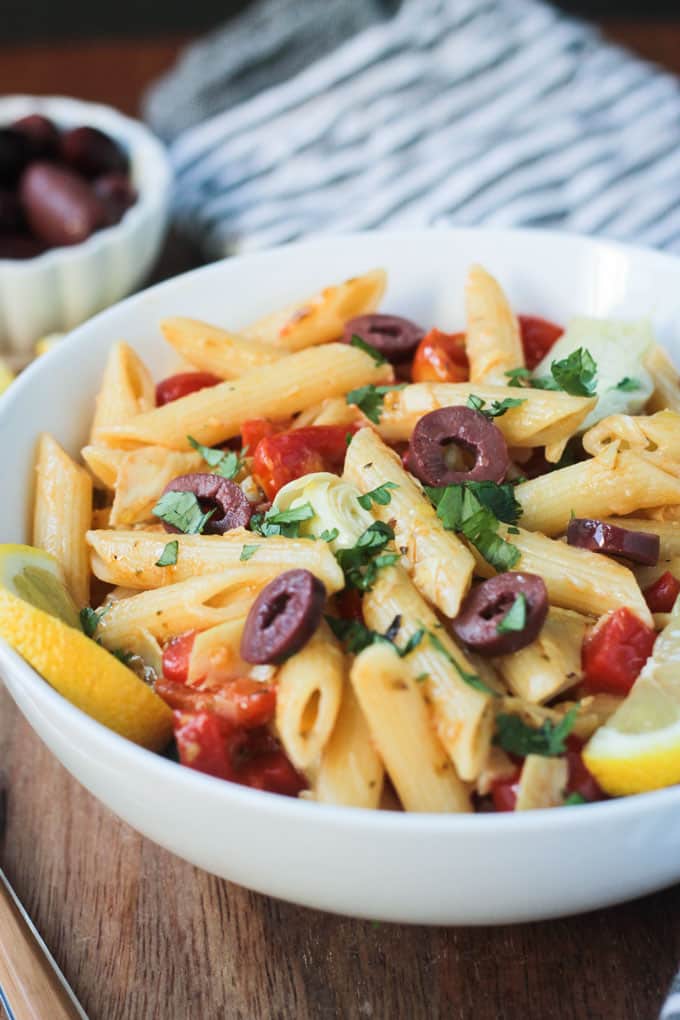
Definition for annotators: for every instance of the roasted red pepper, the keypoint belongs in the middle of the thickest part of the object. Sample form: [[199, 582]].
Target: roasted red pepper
[[615, 652], [662, 594], [176, 386], [504, 791], [281, 458], [538, 337], [441, 357], [176, 656]]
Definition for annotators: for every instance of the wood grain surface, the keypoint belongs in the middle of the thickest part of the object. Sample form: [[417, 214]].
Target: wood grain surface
[[143, 936]]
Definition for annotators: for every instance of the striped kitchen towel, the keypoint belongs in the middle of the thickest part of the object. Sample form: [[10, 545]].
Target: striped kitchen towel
[[503, 112]]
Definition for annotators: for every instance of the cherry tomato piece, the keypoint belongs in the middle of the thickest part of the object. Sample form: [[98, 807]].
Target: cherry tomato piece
[[273, 772], [504, 792], [201, 744], [281, 458], [538, 337], [579, 779], [662, 594], [239, 702], [176, 386], [255, 429], [441, 357], [176, 656], [615, 652]]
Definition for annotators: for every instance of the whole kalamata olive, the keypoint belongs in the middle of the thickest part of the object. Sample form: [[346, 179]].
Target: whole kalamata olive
[[463, 427], [639, 546], [283, 617], [12, 219], [214, 493], [20, 246], [60, 206], [42, 135], [14, 155], [116, 193], [479, 625], [92, 153], [395, 338]]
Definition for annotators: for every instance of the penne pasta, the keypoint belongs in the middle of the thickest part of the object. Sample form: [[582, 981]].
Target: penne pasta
[[215, 414], [215, 654], [462, 714], [127, 390], [350, 771], [211, 349], [492, 338], [543, 418], [542, 783], [659, 432], [129, 557], [310, 685], [666, 380], [104, 463], [322, 317], [62, 514], [142, 476], [439, 563], [551, 664], [399, 721]]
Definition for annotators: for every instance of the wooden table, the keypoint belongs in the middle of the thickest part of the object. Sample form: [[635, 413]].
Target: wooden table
[[143, 936]]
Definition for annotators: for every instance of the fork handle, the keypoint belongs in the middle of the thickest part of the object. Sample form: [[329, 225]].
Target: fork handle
[[30, 983]]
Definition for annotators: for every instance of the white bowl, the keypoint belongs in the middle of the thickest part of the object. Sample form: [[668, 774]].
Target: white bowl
[[58, 290], [440, 869]]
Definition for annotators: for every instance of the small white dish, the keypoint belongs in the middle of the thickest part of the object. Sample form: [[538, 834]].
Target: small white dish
[[58, 290], [436, 869]]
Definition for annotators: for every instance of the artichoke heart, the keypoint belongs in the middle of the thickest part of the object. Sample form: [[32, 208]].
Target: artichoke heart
[[335, 504]]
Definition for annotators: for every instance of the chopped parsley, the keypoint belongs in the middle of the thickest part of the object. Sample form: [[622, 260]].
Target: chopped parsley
[[168, 557], [90, 618], [123, 656], [226, 463], [369, 399], [422, 677], [356, 636], [516, 617], [475, 510], [361, 563], [628, 385], [573, 799], [183, 511], [356, 341], [247, 552], [496, 408], [472, 679], [381, 495], [548, 739], [576, 374], [329, 535], [281, 522]]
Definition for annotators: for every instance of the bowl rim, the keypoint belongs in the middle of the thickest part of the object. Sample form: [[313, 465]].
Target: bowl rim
[[287, 808], [148, 156]]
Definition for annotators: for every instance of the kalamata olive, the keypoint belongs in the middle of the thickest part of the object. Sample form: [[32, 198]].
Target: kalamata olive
[[20, 246], [14, 155], [488, 604], [394, 337], [214, 493], [116, 193], [463, 427], [12, 220], [283, 617], [92, 153], [639, 546], [61, 207], [41, 134]]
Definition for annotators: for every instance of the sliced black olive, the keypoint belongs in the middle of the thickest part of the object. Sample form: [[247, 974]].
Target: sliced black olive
[[639, 546], [487, 606], [214, 493], [283, 617], [463, 427], [394, 337]]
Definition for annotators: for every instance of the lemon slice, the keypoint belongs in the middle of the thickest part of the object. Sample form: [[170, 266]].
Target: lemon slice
[[639, 747], [38, 619], [6, 375]]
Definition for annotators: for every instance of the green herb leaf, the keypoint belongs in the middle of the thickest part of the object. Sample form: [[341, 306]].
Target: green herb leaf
[[381, 495], [422, 677], [475, 402], [576, 374], [514, 736], [573, 799], [282, 522], [123, 656], [516, 617], [89, 619], [628, 385], [369, 399], [329, 536], [209, 454], [183, 511], [412, 642], [497, 407], [518, 376], [472, 679], [226, 463], [247, 552], [362, 562], [356, 341], [499, 499], [168, 557], [349, 436], [473, 510], [355, 635]]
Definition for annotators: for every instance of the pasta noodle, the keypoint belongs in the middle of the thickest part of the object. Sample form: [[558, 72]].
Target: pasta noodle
[[350, 771], [551, 664], [211, 349], [127, 390], [492, 339]]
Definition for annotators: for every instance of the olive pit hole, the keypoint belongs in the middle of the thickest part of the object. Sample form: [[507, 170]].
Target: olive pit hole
[[275, 608]]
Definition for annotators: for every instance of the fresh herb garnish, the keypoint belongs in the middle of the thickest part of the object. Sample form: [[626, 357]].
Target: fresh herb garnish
[[573, 799], [281, 522], [356, 636], [422, 677], [226, 463], [628, 385], [349, 436], [576, 374], [247, 552], [362, 562], [329, 536], [183, 511], [496, 408], [516, 617], [381, 495], [123, 656], [168, 557], [548, 740], [472, 679], [90, 618], [369, 399], [356, 341], [499, 499], [475, 510], [518, 376]]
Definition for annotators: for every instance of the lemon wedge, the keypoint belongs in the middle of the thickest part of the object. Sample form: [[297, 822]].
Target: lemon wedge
[[6, 375], [639, 747], [39, 620]]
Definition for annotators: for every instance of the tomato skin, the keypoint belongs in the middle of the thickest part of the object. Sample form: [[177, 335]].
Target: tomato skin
[[504, 791], [201, 744], [580, 780], [615, 652], [538, 337], [176, 655], [239, 702], [661, 595], [273, 772], [180, 385], [441, 357], [255, 429], [281, 458]]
